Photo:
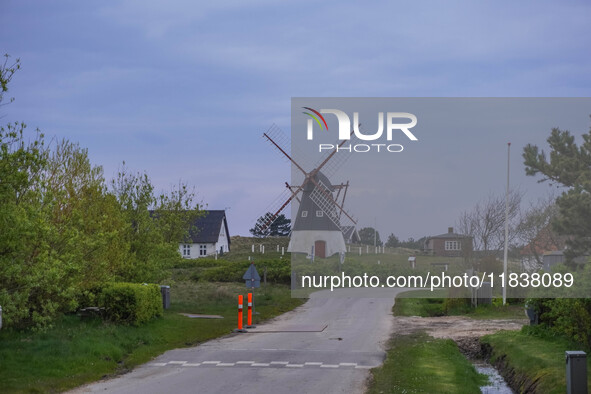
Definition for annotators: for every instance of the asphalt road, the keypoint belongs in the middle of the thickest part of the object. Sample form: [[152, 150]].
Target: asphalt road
[[325, 346]]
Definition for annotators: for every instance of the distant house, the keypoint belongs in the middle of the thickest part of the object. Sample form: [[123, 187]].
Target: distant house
[[449, 244], [553, 258], [545, 243], [350, 234], [209, 236]]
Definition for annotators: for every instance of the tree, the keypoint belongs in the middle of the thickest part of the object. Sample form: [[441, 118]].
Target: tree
[[486, 222], [411, 243], [367, 236], [154, 224], [280, 227], [393, 241], [568, 165], [64, 233], [536, 233], [6, 72]]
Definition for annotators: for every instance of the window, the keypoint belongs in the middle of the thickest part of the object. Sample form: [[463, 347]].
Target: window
[[186, 250], [304, 214], [202, 250], [453, 245], [319, 214]]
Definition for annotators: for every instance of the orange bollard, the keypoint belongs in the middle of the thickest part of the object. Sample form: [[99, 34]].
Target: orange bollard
[[250, 308], [249, 317], [240, 329]]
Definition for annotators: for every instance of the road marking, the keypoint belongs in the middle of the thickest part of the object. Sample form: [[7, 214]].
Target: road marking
[[275, 364]]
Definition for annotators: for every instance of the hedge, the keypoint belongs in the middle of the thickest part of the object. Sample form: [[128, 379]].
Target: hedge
[[131, 303]]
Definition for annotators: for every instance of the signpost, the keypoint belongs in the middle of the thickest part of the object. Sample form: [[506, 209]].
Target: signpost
[[252, 280]]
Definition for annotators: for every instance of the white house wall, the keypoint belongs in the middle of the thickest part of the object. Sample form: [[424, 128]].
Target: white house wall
[[302, 241], [223, 239], [195, 248]]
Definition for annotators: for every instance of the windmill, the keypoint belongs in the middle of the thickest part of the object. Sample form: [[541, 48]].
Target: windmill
[[317, 227]]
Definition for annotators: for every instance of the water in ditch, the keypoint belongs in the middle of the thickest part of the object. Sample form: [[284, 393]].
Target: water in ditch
[[496, 384]]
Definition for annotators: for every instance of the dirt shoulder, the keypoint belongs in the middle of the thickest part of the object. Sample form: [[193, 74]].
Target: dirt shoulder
[[454, 327], [466, 332]]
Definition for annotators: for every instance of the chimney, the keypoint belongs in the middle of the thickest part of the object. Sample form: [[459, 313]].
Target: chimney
[[450, 230]]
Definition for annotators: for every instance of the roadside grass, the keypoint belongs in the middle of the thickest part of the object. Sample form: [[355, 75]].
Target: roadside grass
[[420, 363], [536, 354], [425, 305], [75, 352]]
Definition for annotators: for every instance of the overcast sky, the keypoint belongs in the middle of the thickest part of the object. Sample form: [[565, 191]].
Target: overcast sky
[[185, 89]]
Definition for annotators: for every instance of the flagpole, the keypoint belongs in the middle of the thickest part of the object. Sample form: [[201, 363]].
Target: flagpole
[[506, 227]]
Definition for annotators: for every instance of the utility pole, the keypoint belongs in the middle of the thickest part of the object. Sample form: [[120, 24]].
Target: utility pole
[[506, 226]]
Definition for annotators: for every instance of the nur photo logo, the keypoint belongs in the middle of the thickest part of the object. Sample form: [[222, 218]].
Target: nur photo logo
[[394, 122]]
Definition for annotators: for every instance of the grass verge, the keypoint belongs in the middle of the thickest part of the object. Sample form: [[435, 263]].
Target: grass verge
[[425, 306], [74, 352], [536, 358], [420, 363]]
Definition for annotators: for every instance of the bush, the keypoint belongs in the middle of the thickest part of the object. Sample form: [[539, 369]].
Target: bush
[[570, 317], [278, 271], [131, 303]]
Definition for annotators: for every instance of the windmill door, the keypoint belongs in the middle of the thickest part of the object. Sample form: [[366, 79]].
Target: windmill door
[[320, 249]]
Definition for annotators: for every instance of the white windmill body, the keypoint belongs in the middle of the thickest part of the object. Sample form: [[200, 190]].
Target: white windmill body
[[316, 229]]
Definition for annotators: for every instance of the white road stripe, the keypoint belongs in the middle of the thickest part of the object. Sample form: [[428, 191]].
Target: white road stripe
[[255, 364]]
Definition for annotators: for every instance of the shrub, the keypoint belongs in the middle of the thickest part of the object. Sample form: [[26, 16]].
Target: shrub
[[131, 303], [570, 317]]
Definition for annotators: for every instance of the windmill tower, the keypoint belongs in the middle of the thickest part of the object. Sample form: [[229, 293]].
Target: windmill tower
[[317, 227]]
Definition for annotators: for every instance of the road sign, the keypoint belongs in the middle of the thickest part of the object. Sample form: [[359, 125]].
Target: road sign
[[252, 277]]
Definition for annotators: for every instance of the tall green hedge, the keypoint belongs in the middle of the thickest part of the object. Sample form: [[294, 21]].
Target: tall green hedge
[[131, 303]]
